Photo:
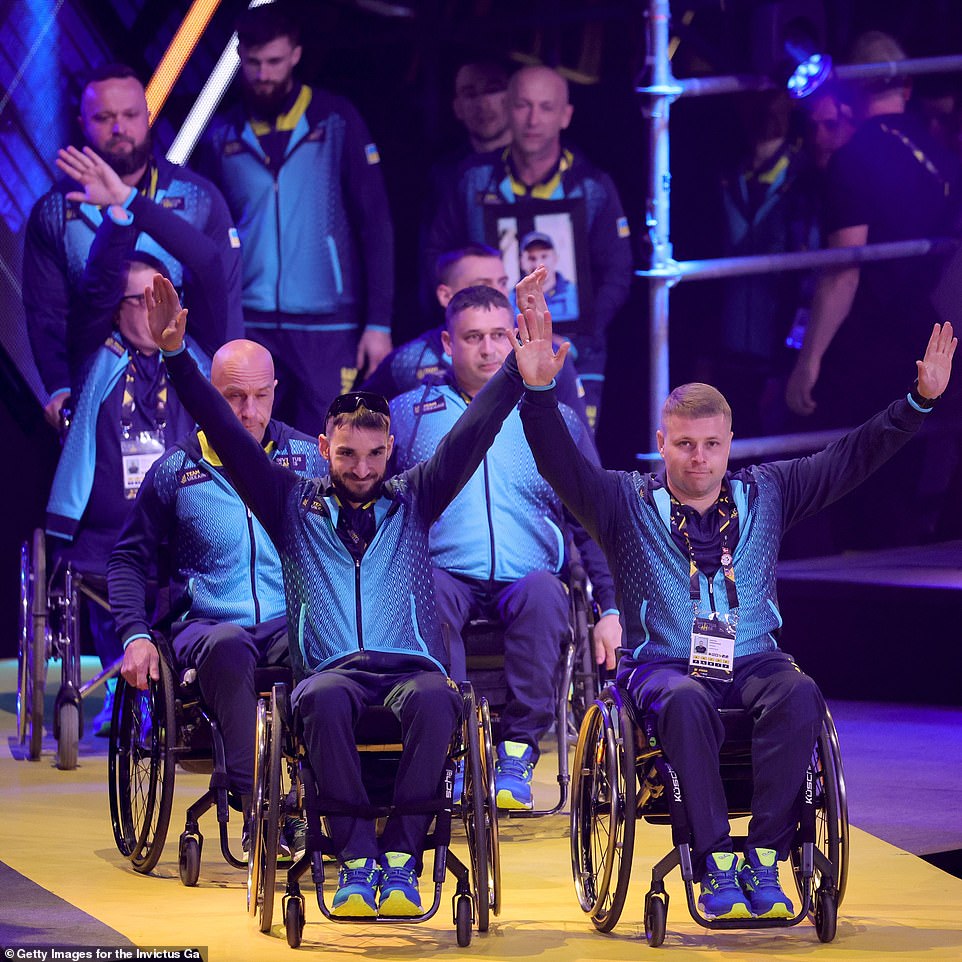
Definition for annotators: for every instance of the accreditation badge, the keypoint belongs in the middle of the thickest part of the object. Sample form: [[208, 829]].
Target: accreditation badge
[[712, 648], [139, 450]]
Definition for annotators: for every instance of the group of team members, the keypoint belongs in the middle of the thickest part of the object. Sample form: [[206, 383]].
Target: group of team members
[[430, 496], [693, 551]]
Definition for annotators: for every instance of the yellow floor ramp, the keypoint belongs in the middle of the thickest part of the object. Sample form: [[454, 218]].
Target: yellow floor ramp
[[55, 831]]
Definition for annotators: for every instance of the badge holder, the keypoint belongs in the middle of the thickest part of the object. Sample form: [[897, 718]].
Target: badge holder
[[712, 648]]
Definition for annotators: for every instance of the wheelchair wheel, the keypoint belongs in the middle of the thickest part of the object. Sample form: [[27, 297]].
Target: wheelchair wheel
[[294, 920], [141, 768], [462, 921], [603, 810], [265, 814], [831, 832], [480, 815], [32, 644], [68, 736], [656, 919]]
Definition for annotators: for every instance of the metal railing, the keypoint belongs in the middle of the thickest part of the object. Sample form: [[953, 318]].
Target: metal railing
[[664, 271]]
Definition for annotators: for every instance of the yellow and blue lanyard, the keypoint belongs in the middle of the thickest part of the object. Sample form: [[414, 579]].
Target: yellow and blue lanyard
[[727, 528]]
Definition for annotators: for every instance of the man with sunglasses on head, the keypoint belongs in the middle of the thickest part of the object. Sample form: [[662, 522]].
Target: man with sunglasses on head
[[360, 594]]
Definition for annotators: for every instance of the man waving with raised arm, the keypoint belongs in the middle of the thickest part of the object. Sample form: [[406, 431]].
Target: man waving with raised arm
[[693, 550], [363, 625]]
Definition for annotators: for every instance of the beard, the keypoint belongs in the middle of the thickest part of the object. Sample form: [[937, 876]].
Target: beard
[[267, 103], [130, 161], [354, 492]]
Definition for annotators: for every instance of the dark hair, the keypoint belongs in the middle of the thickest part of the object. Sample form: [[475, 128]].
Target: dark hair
[[359, 409], [479, 296], [110, 71], [446, 262], [259, 25], [696, 400], [147, 260]]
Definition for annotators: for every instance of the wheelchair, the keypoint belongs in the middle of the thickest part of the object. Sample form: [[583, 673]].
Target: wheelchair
[[284, 785], [49, 616], [153, 732], [621, 775], [578, 681]]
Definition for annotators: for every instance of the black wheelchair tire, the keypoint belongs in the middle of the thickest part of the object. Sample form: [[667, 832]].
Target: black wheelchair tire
[[141, 772], [474, 813], [68, 737], [656, 919], [462, 920], [294, 920]]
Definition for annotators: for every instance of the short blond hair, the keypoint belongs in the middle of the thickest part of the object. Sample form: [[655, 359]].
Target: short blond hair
[[696, 400]]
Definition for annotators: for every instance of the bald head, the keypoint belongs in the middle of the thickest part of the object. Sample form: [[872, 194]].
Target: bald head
[[243, 373], [538, 110]]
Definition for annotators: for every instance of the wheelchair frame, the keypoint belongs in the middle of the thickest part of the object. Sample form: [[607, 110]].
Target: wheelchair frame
[[621, 774], [281, 788], [143, 757], [49, 628], [577, 686]]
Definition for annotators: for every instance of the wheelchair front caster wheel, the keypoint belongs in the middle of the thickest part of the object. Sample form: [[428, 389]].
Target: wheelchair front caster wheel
[[462, 919], [656, 918], [826, 916], [188, 861], [294, 920], [68, 740]]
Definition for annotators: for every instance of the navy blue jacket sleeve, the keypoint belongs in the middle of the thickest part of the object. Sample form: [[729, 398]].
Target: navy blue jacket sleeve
[[592, 557], [610, 258], [262, 484], [588, 491], [438, 479], [365, 197], [811, 483], [147, 527], [212, 267], [93, 310], [46, 291]]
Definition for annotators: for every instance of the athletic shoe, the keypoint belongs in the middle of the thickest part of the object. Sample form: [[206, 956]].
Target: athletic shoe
[[293, 840], [758, 877], [356, 894], [721, 896], [399, 885], [103, 718], [512, 776]]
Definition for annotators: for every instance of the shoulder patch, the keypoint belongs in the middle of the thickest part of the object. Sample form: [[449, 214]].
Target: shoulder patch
[[233, 237], [429, 407], [114, 346], [370, 152], [296, 462], [192, 475], [622, 227]]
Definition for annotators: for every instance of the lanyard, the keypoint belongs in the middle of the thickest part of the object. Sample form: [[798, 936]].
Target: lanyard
[[129, 404], [727, 513]]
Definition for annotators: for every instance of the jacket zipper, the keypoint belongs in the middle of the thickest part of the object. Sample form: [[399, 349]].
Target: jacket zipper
[[256, 600]]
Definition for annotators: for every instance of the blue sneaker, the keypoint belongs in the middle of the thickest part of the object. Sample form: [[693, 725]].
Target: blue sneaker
[[102, 720], [399, 885], [721, 896], [356, 894], [758, 877], [512, 776]]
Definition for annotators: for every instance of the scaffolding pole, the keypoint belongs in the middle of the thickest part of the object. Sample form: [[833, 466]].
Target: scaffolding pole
[[664, 272]]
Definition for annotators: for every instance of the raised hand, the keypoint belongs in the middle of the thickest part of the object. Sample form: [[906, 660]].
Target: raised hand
[[166, 319], [101, 183], [538, 362], [935, 368]]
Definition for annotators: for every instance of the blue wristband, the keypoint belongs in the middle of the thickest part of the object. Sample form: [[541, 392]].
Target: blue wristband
[[135, 637], [180, 350], [539, 387]]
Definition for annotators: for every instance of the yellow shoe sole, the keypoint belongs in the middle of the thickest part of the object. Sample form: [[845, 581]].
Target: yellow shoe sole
[[355, 907], [506, 800], [397, 905]]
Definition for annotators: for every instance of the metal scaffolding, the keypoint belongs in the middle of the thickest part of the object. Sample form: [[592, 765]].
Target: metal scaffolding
[[664, 271]]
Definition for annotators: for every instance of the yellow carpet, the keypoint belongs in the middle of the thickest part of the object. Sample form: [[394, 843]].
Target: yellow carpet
[[55, 830]]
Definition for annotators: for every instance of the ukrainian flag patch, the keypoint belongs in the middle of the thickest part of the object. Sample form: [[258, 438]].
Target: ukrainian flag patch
[[622, 227], [233, 237], [373, 157]]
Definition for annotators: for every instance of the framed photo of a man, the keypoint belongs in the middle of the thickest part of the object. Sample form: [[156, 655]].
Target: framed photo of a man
[[550, 233]]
